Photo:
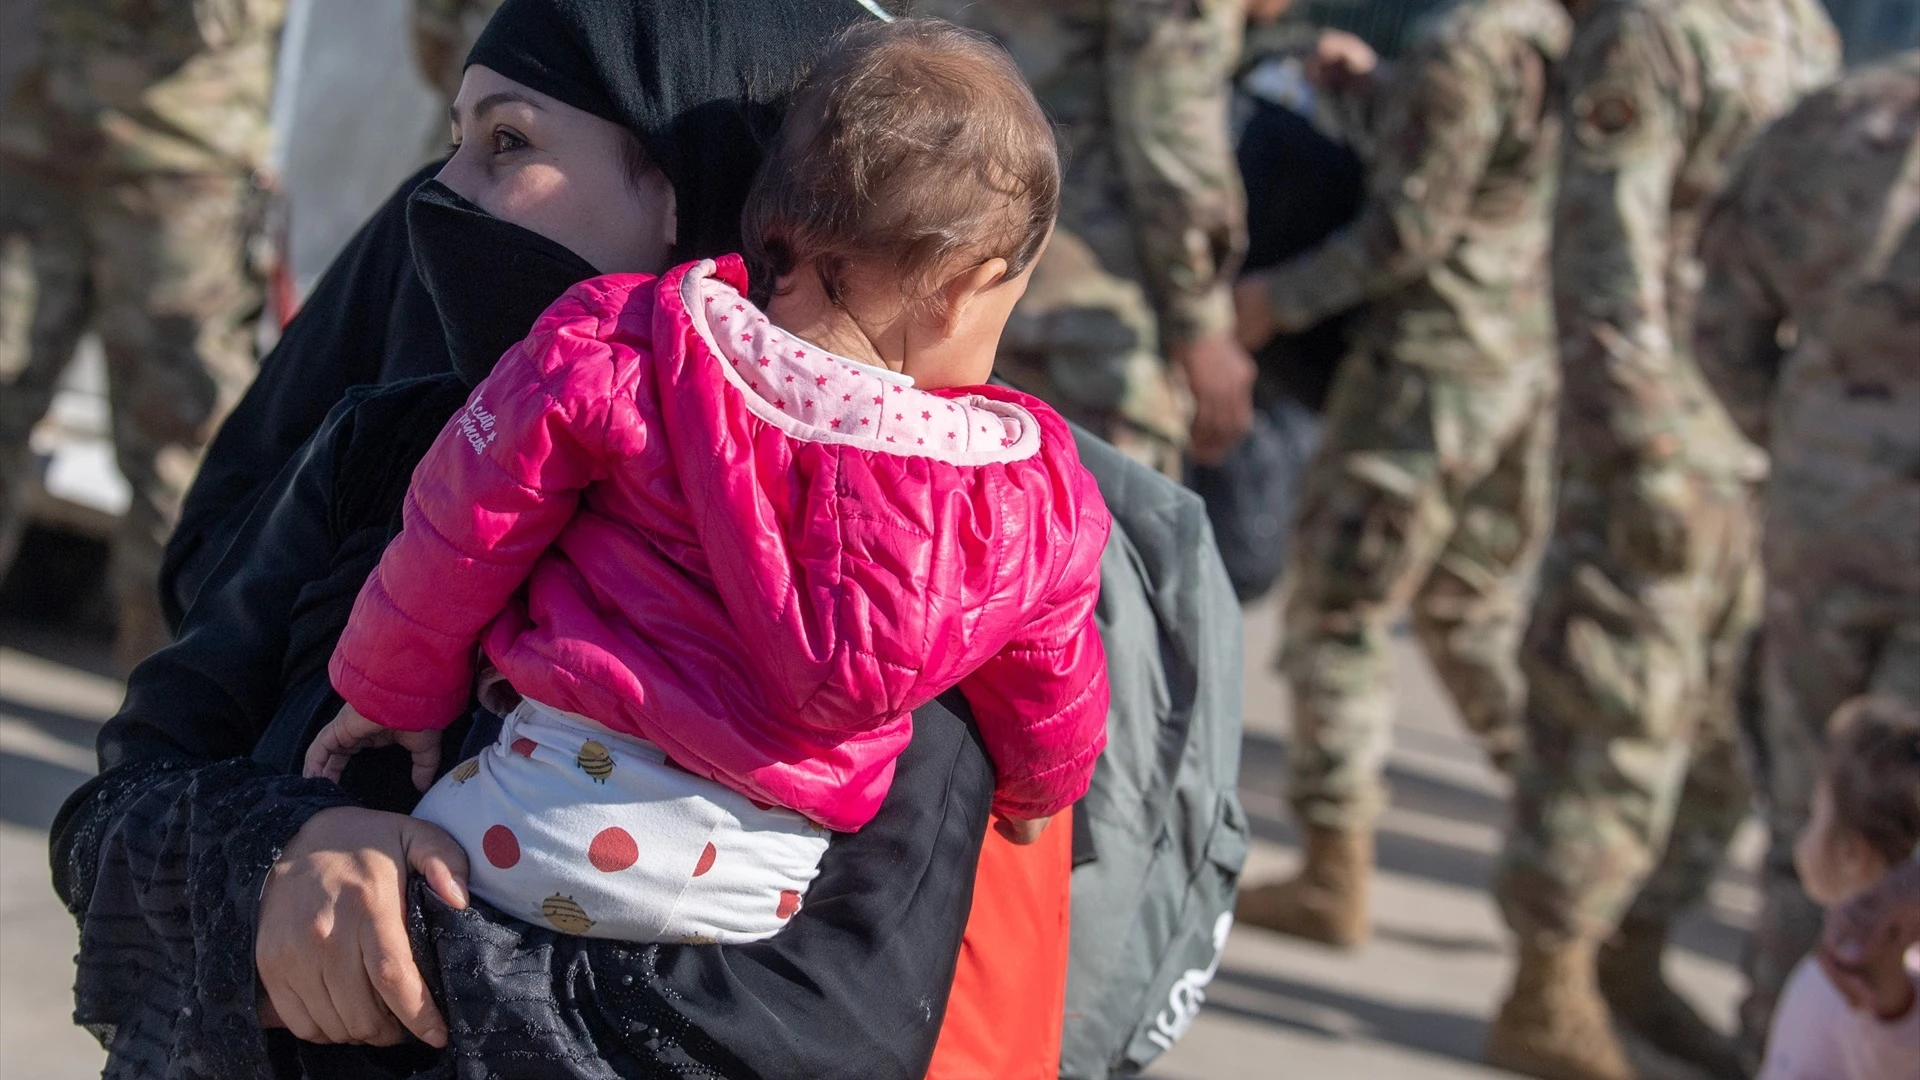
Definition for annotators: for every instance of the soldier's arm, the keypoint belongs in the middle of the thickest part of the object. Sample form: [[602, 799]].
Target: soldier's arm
[[1436, 132], [1623, 147], [1167, 71], [1736, 335]]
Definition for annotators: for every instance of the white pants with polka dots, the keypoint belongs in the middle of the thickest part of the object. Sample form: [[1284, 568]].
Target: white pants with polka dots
[[569, 824]]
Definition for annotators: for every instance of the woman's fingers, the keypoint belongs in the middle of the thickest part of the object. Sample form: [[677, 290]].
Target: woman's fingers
[[389, 968], [436, 856], [358, 1001]]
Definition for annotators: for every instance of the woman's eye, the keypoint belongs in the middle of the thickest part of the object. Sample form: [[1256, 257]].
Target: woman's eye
[[506, 141]]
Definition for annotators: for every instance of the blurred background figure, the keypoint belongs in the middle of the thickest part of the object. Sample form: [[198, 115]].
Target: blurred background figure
[[443, 32], [1127, 326], [128, 201], [1807, 329], [1630, 784], [1432, 485]]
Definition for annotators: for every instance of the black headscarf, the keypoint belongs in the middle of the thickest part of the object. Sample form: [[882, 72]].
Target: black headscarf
[[700, 82]]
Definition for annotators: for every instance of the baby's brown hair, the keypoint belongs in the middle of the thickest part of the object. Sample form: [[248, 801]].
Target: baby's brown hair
[[1873, 773], [914, 147]]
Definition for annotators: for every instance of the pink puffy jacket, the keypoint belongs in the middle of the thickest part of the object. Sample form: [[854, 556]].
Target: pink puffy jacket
[[665, 513]]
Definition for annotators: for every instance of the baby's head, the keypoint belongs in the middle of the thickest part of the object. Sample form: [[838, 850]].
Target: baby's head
[[1866, 806], [908, 195]]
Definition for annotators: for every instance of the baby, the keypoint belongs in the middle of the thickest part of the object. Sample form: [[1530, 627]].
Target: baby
[[1866, 818], [719, 554]]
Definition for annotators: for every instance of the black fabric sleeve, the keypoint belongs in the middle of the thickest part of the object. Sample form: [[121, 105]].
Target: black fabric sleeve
[[855, 987], [161, 857], [369, 320]]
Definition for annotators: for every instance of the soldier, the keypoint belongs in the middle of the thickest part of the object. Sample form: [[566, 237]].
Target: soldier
[[1152, 220], [1630, 785], [1817, 233], [1433, 486], [443, 32], [128, 180]]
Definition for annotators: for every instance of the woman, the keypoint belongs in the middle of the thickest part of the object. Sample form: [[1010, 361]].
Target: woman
[[198, 810]]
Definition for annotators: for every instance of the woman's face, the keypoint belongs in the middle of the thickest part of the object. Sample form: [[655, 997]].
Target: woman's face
[[555, 170]]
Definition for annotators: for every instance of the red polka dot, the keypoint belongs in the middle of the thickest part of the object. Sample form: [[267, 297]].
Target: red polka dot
[[789, 903], [706, 861], [523, 746], [612, 850], [502, 848]]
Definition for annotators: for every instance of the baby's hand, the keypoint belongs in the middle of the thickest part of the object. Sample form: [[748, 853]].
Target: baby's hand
[[350, 733], [1021, 831]]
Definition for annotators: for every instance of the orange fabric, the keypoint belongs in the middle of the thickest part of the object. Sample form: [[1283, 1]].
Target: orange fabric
[[1010, 990]]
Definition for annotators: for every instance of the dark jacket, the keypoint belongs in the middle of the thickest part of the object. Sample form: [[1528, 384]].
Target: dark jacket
[[369, 320]]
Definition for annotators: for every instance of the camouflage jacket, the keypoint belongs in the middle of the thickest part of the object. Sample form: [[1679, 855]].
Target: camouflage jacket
[[1662, 98], [1139, 89], [156, 85], [1450, 249], [1816, 234]]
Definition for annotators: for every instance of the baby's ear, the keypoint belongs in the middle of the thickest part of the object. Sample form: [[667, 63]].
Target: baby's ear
[[959, 292]]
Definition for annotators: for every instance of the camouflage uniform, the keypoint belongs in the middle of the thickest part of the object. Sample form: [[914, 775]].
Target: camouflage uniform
[[1650, 588], [1433, 486], [443, 33], [1152, 217], [126, 180], [1818, 231]]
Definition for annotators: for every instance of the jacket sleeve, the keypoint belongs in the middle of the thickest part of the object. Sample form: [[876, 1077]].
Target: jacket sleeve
[[1167, 76], [489, 498], [161, 857], [1041, 702], [1436, 134], [1612, 219]]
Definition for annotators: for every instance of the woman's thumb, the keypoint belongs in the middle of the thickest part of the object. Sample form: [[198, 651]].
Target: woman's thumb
[[435, 856]]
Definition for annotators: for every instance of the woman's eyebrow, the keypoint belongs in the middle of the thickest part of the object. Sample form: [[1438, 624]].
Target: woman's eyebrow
[[491, 102]]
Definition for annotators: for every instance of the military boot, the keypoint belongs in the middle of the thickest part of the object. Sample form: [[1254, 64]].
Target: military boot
[[1328, 902], [1554, 1024], [1637, 992]]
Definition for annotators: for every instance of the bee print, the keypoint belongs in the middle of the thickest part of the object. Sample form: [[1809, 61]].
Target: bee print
[[565, 915], [595, 761], [466, 770]]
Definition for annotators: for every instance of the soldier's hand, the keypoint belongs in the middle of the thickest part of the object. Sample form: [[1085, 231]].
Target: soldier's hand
[[1253, 313], [1341, 61], [1220, 374]]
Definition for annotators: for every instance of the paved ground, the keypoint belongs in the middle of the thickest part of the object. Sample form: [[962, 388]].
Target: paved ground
[[1413, 1004]]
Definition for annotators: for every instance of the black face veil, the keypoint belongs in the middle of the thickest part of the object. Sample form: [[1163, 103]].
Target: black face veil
[[700, 83]]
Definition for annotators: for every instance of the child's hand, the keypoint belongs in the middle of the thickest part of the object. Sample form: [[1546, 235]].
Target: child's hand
[[350, 733], [1021, 831]]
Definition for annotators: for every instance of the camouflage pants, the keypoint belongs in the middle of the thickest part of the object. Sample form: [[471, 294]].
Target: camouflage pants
[[1631, 782], [156, 265], [1084, 340], [1843, 618], [1431, 492]]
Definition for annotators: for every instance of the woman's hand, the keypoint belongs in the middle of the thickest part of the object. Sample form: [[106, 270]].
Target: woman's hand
[[331, 950], [350, 733]]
